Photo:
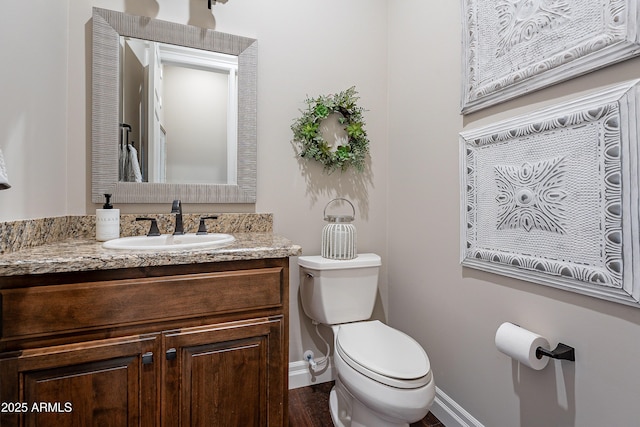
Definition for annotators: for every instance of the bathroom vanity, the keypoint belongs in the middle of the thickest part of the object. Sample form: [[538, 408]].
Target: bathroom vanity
[[91, 336]]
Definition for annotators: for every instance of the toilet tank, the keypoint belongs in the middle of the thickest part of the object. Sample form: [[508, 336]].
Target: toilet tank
[[339, 291]]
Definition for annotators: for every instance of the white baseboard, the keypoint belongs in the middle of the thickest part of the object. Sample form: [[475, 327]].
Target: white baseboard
[[301, 374], [450, 413], [444, 408]]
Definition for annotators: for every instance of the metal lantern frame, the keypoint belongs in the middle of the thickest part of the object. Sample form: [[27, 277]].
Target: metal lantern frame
[[339, 237]]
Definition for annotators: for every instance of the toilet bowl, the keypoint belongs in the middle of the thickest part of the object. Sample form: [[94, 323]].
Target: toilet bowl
[[384, 376]]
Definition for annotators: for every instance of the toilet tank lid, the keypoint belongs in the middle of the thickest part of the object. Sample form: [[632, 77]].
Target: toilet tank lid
[[317, 262]]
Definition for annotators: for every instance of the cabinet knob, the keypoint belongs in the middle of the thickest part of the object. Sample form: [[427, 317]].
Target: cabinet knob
[[172, 353], [147, 358]]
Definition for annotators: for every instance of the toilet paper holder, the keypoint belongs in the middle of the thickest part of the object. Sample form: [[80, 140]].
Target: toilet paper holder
[[562, 351]]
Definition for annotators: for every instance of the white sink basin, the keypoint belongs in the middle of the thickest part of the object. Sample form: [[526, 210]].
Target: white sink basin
[[169, 242]]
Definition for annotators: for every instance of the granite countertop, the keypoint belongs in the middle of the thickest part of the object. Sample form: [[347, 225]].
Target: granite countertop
[[87, 254]]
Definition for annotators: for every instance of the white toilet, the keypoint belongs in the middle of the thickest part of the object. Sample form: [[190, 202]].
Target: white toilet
[[383, 376]]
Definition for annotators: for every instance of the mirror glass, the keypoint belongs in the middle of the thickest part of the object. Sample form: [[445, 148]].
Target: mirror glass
[[178, 114], [174, 112]]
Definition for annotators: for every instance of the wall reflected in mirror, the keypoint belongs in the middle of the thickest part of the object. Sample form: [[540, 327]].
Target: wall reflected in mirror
[[178, 114]]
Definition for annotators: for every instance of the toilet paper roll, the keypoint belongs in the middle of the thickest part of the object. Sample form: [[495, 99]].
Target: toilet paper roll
[[521, 344]]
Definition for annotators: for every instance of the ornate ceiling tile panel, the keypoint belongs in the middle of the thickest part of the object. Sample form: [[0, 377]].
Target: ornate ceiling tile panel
[[552, 196], [511, 47]]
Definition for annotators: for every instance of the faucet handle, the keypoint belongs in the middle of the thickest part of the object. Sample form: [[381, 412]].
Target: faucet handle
[[153, 230], [202, 228]]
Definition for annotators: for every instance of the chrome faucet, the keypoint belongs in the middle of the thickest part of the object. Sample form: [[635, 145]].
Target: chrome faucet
[[176, 208]]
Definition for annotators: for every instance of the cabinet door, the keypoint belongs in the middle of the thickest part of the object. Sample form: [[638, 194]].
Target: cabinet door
[[230, 374], [109, 382]]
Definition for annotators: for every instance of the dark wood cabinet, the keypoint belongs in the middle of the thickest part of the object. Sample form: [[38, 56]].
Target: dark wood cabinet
[[198, 345], [219, 375], [103, 382]]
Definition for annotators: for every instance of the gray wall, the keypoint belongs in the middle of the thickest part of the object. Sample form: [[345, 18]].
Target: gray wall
[[453, 311]]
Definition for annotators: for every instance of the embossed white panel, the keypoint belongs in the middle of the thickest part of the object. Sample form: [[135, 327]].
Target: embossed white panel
[[511, 47], [552, 196]]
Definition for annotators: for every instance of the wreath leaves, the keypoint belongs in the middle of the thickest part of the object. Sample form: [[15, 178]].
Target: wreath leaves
[[306, 131]]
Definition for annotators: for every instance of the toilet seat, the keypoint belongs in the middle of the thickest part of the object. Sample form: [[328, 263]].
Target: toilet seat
[[383, 354]]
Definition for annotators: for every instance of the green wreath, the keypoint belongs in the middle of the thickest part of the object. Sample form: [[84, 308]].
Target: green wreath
[[306, 132]]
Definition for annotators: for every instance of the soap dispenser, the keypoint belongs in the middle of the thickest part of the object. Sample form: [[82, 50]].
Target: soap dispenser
[[107, 221]]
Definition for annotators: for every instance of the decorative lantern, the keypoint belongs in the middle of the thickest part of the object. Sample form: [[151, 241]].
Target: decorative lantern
[[339, 235]]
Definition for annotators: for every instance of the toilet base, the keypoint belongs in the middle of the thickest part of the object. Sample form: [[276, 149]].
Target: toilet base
[[339, 409], [347, 411]]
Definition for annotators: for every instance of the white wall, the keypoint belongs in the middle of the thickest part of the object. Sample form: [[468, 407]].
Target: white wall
[[33, 108], [405, 62], [310, 48], [305, 49], [454, 312]]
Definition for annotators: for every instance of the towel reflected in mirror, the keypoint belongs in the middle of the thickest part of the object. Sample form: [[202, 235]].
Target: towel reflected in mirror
[[4, 179], [129, 164]]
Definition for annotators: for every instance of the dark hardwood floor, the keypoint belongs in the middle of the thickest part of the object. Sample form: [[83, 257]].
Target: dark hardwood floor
[[309, 407]]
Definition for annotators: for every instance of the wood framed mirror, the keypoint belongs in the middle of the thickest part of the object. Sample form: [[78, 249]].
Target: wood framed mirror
[[109, 29]]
